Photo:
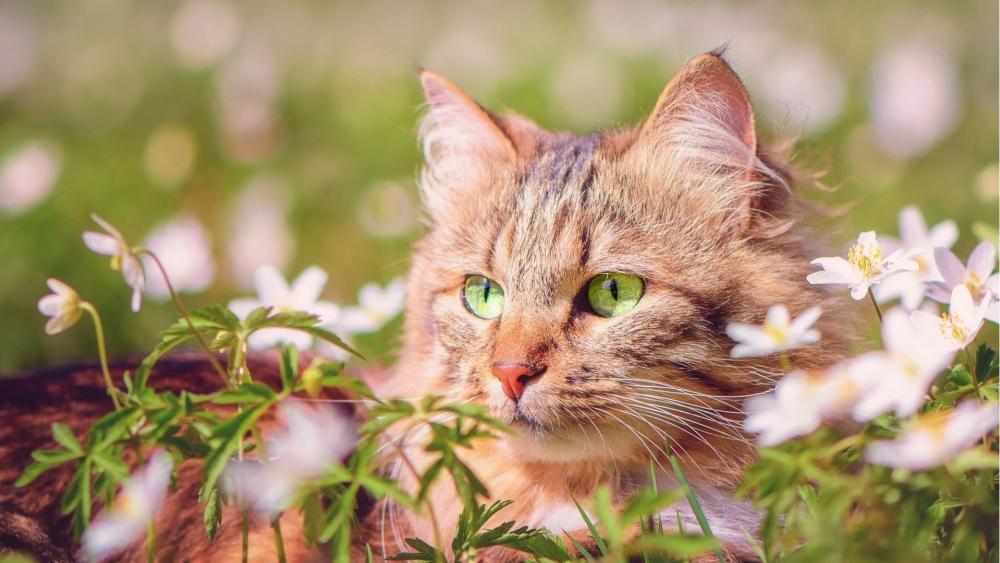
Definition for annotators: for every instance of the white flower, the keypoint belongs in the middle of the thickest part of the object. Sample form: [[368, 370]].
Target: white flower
[[909, 287], [778, 334], [112, 243], [800, 403], [936, 437], [302, 295], [897, 378], [185, 250], [864, 267], [63, 305], [309, 443], [137, 503], [977, 275], [376, 307], [957, 328], [27, 176]]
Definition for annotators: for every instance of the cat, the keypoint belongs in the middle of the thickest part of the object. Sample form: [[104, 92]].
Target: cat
[[577, 287]]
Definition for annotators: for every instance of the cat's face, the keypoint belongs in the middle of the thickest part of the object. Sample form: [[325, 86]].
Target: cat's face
[[579, 287]]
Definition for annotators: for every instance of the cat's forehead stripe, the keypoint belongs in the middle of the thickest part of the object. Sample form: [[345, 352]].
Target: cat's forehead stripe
[[566, 157]]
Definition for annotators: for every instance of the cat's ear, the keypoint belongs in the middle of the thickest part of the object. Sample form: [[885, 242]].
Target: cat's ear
[[702, 132], [706, 92], [461, 140]]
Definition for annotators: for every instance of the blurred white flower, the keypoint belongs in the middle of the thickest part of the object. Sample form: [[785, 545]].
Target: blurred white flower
[[376, 307], [112, 243], [798, 82], [914, 97], [897, 378], [909, 287], [184, 248], [957, 328], [136, 506], [976, 275], [800, 403], [302, 295], [170, 154], [202, 32], [934, 438], [864, 267], [27, 176], [62, 305], [308, 444], [258, 233], [247, 90], [778, 334]]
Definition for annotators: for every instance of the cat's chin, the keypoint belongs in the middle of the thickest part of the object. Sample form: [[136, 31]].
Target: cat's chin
[[530, 442]]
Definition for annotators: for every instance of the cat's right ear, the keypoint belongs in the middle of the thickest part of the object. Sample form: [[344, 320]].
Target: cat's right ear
[[461, 140]]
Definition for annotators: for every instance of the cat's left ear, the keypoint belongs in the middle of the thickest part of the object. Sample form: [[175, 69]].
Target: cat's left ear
[[702, 128], [463, 143]]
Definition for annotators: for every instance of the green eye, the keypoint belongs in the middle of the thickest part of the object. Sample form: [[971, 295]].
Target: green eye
[[482, 296], [612, 294]]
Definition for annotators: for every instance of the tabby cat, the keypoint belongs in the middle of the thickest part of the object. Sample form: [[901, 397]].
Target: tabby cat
[[578, 287]]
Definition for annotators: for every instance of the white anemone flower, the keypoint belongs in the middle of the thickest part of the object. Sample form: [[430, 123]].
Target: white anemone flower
[[62, 305], [800, 403], [112, 243], [866, 265], [910, 287], [779, 333], [897, 378], [957, 328], [976, 274], [308, 444], [137, 504], [935, 438], [301, 295], [376, 307]]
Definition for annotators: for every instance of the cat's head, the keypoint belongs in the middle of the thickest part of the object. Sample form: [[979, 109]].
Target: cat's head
[[579, 286]]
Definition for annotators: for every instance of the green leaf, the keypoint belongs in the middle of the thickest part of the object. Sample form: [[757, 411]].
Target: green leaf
[[674, 545], [255, 318], [55, 457], [323, 334], [579, 548], [593, 529], [113, 466], [65, 437], [243, 394], [693, 501], [213, 513], [986, 362], [289, 367], [227, 436], [32, 472]]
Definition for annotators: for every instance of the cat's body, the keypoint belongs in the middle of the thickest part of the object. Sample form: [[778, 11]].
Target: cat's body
[[687, 202]]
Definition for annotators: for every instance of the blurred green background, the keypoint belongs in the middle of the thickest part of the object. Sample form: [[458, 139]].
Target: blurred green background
[[241, 133]]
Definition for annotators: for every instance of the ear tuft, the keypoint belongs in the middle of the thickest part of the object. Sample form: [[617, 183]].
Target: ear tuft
[[461, 140]]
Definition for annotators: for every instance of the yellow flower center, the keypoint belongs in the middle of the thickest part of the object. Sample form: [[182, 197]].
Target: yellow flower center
[[952, 328], [866, 259], [934, 424], [777, 333], [975, 285], [911, 369]]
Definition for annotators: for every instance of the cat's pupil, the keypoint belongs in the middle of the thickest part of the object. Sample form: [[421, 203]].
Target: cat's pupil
[[612, 286], [486, 291]]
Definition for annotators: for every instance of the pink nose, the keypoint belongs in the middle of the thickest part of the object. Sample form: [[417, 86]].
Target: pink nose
[[515, 376]]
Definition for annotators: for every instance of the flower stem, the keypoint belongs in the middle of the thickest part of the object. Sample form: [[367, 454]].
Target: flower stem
[[430, 508], [786, 362], [878, 311], [246, 536], [102, 351], [184, 313], [150, 542], [279, 544]]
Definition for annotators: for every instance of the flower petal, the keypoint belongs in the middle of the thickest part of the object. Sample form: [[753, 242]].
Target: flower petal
[[778, 316], [50, 305], [307, 288], [101, 243], [951, 268], [272, 289], [241, 307], [982, 260], [912, 228], [943, 235], [804, 321]]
